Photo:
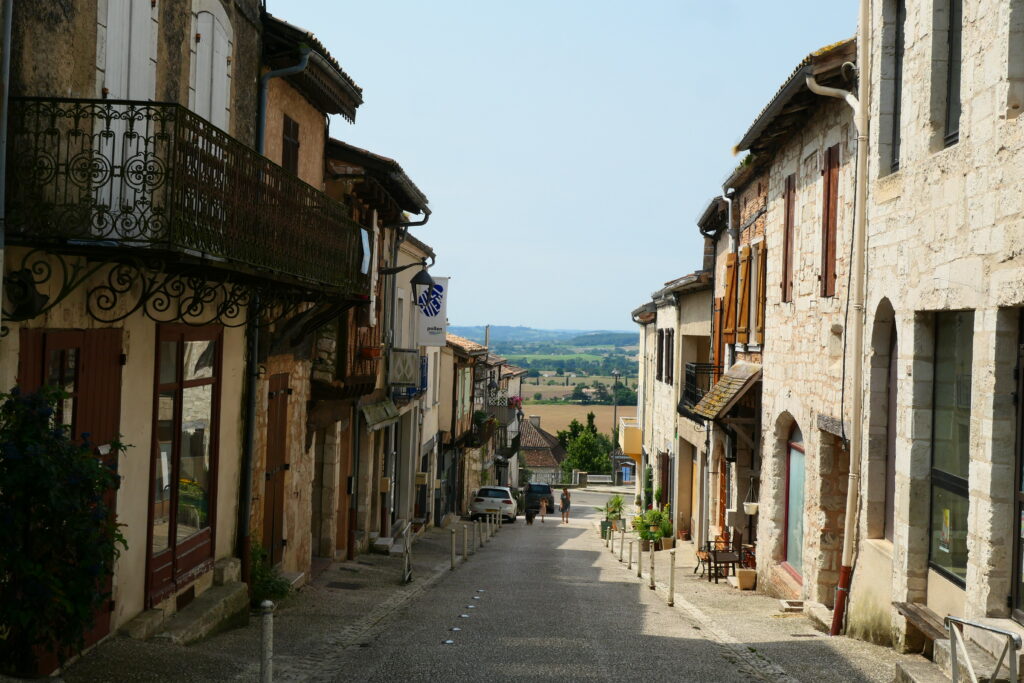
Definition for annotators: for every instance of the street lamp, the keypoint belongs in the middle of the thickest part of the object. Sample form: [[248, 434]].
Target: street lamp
[[615, 405]]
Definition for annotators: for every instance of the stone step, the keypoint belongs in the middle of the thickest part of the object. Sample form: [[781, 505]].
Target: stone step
[[218, 609], [382, 545], [982, 662], [917, 669], [993, 643]]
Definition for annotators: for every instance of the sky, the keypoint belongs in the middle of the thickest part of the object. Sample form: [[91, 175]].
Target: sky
[[567, 147]]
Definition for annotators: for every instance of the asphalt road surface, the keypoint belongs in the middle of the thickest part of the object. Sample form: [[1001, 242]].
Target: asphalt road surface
[[544, 602]]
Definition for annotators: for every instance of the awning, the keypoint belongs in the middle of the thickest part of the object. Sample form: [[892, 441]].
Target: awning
[[728, 390], [381, 414]]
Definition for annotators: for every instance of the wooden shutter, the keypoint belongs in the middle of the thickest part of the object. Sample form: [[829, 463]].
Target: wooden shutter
[[660, 357], [829, 211], [290, 145], [789, 206], [729, 303], [716, 333], [743, 295], [670, 355], [762, 281]]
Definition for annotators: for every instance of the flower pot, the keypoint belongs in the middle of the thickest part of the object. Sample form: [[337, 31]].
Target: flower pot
[[645, 545], [606, 525], [746, 579], [667, 543], [750, 509]]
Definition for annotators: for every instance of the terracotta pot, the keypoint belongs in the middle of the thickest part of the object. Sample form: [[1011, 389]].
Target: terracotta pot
[[667, 543]]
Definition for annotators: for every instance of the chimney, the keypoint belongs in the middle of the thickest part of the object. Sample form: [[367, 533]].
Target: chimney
[[487, 336], [535, 421]]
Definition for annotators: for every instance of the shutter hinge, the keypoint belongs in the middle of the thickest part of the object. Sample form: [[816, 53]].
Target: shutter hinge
[[288, 391], [286, 466], [123, 359], [284, 542]]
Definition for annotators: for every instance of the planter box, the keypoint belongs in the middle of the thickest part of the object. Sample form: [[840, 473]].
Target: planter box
[[606, 526], [667, 543], [746, 579]]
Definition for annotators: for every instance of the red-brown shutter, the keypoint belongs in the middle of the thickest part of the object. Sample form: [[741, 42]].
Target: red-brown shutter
[[729, 307], [789, 207], [762, 293], [743, 294], [30, 360], [829, 215], [717, 338]]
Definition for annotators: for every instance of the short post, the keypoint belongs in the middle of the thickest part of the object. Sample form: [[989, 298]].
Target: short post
[[611, 541], [465, 542], [651, 586], [453, 547], [639, 560], [407, 556], [480, 533], [630, 564], [267, 651], [671, 577], [622, 540]]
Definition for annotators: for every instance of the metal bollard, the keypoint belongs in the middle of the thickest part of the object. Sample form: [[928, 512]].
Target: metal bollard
[[465, 542], [267, 650], [639, 560], [453, 547], [622, 541], [630, 565], [480, 533], [651, 586], [671, 578]]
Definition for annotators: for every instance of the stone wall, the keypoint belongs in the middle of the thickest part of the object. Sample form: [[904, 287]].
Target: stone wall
[[946, 233]]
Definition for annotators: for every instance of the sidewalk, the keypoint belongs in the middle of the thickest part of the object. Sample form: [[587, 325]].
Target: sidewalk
[[341, 608], [749, 627]]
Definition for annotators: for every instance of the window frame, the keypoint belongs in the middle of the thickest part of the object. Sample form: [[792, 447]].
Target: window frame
[[830, 219], [954, 66], [940, 479], [290, 144], [788, 237], [797, 573], [899, 44]]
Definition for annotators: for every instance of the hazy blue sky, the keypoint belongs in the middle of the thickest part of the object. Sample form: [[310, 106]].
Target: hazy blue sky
[[566, 146]]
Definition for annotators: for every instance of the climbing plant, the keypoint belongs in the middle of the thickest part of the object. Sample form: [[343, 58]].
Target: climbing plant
[[58, 536]]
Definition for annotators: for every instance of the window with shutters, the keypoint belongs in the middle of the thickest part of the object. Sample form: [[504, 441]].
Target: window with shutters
[[788, 236], [829, 217], [659, 363], [290, 145], [762, 290], [670, 356], [743, 298], [892, 91], [210, 72], [718, 352], [729, 301]]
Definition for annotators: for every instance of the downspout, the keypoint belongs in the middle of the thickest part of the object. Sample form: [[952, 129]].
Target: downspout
[[734, 242], [859, 104], [5, 86], [252, 366]]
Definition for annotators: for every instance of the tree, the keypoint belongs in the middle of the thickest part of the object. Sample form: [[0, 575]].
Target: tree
[[578, 393], [537, 396], [587, 454], [565, 436]]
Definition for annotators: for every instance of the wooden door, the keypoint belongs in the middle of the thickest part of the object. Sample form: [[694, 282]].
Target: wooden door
[[86, 364], [277, 464]]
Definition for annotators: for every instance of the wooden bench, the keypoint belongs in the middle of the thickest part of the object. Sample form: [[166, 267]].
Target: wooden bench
[[926, 622]]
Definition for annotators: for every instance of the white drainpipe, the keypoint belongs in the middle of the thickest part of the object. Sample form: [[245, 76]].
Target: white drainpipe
[[859, 104]]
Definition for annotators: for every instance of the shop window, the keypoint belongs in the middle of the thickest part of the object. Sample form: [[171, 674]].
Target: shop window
[[951, 419]]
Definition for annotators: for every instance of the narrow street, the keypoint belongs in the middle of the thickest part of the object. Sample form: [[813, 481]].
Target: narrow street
[[550, 602]]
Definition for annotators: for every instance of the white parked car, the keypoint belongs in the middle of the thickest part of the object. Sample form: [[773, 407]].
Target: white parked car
[[494, 499]]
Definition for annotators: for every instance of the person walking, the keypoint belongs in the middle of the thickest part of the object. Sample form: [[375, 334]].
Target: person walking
[[565, 505]]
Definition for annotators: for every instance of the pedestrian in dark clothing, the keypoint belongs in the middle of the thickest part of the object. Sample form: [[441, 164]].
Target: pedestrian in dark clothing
[[565, 505]]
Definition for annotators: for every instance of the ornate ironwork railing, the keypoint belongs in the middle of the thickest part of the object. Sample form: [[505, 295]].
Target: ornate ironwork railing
[[156, 177], [699, 380]]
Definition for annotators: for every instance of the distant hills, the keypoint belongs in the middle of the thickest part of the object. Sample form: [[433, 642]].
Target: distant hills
[[517, 334]]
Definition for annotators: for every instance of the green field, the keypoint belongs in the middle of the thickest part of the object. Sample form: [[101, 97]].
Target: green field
[[535, 357]]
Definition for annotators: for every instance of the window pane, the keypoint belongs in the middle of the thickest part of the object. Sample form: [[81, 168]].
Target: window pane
[[168, 362], [795, 509], [162, 471], [952, 411], [199, 357], [949, 531], [194, 475]]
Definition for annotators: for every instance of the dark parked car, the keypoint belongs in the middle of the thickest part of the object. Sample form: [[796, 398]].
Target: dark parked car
[[534, 493]]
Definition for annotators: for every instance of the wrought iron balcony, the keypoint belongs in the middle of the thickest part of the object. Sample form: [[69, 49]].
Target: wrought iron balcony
[[700, 377], [154, 179]]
